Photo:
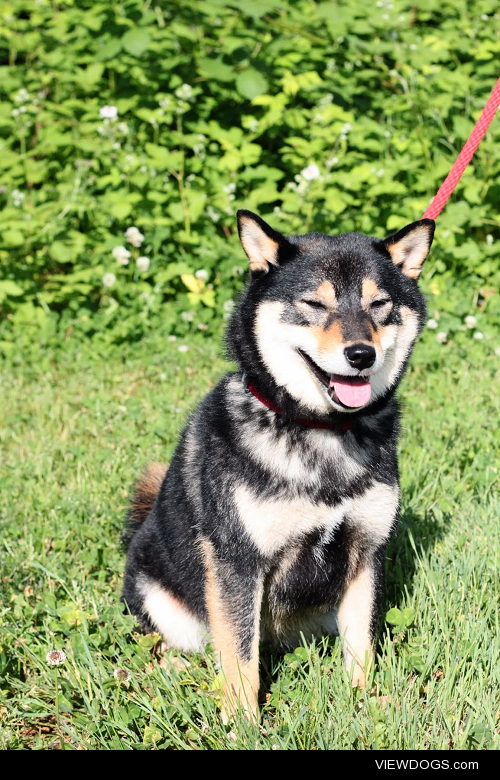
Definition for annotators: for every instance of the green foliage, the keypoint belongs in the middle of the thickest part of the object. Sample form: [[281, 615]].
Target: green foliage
[[329, 116]]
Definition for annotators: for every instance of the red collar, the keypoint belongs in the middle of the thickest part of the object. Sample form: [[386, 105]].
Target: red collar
[[338, 427]]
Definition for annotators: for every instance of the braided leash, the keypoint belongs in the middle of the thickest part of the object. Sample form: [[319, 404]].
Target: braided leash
[[465, 155]]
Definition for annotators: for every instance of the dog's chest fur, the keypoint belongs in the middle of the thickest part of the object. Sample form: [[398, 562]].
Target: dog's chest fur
[[312, 504]]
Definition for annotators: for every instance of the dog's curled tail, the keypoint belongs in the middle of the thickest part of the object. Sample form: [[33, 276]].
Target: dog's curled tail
[[144, 495], [145, 492]]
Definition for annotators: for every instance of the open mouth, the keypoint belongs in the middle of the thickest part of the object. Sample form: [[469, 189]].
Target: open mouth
[[351, 392]]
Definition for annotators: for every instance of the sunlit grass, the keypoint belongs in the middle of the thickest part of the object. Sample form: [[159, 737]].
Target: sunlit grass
[[77, 427]]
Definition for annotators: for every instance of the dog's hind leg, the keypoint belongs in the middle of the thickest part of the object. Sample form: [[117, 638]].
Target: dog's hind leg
[[180, 629], [233, 600]]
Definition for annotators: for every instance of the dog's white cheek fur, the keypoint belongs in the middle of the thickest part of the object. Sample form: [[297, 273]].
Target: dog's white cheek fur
[[277, 343], [396, 349]]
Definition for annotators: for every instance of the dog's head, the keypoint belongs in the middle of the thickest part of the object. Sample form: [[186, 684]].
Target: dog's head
[[330, 320]]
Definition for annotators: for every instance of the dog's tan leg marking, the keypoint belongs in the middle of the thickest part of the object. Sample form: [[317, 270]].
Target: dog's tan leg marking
[[241, 674], [354, 619]]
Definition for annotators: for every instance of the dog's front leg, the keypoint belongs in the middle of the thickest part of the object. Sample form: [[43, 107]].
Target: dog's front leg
[[357, 615], [234, 597]]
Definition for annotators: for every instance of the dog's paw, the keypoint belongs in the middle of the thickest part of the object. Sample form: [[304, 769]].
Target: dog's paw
[[358, 677]]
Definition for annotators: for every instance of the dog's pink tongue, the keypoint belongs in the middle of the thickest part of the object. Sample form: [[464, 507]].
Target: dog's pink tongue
[[351, 390]]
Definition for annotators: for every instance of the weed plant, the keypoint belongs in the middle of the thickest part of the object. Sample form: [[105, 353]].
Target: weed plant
[[130, 132]]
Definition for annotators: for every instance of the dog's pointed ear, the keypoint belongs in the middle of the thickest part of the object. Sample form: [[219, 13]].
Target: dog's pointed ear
[[410, 246], [260, 242]]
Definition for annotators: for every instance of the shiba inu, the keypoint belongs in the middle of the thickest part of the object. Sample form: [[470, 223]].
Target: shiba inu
[[273, 517]]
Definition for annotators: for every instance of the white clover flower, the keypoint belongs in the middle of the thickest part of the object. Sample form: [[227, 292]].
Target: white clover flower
[[331, 162], [326, 100], [187, 316], [213, 214], [470, 321], [478, 335], [183, 348], [442, 337], [202, 326], [122, 675], [134, 236], [184, 92], [432, 324], [489, 239], [22, 96], [108, 112], [171, 338], [311, 172], [143, 263], [108, 279], [18, 197], [121, 255], [123, 128], [202, 275], [55, 657], [346, 128], [228, 306], [15, 112]]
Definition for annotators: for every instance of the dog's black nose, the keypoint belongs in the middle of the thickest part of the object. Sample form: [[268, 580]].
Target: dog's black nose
[[360, 355]]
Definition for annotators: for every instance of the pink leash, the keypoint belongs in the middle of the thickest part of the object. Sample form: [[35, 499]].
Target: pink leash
[[465, 155]]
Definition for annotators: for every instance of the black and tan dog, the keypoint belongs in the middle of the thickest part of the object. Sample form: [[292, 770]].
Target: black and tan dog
[[275, 513]]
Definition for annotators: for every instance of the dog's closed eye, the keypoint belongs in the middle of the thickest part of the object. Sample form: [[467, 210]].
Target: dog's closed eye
[[378, 304], [314, 304]]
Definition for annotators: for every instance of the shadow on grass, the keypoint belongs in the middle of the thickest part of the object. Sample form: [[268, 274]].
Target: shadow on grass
[[416, 535]]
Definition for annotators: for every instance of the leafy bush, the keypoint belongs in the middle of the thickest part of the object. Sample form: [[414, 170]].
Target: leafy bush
[[330, 116]]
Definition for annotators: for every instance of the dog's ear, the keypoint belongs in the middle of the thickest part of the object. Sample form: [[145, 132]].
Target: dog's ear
[[410, 246], [260, 242]]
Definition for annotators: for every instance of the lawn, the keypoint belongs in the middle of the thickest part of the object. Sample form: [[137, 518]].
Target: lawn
[[76, 428]]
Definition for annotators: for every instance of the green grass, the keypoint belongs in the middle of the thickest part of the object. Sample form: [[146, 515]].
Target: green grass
[[75, 430]]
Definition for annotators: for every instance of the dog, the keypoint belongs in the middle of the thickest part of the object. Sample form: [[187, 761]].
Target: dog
[[272, 520]]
